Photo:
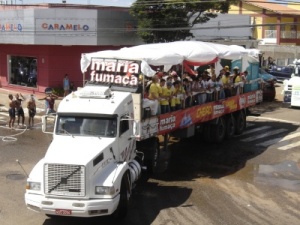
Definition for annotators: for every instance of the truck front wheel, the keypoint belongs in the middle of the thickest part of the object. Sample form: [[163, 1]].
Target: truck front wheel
[[122, 208]]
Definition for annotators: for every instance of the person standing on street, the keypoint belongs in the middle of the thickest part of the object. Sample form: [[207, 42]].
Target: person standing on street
[[11, 111], [19, 108], [50, 101], [31, 106], [66, 85]]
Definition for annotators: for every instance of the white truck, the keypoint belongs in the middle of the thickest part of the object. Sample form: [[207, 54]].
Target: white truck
[[291, 87], [103, 136]]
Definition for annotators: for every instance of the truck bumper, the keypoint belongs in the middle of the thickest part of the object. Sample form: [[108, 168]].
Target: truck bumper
[[71, 207]]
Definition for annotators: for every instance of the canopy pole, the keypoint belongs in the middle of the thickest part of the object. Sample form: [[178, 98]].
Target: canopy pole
[[83, 77]]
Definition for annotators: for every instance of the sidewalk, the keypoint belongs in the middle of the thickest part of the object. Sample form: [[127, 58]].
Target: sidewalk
[[40, 104]]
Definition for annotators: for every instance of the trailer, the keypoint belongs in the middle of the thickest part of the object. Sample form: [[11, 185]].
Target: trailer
[[104, 135]]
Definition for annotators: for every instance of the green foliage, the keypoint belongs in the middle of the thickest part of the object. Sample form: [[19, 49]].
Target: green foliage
[[59, 91], [171, 20]]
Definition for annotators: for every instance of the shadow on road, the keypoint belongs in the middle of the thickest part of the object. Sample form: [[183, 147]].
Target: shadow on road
[[268, 107], [193, 158], [147, 201]]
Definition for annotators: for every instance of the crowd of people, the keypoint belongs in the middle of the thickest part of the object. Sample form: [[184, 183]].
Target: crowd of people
[[167, 92], [16, 110]]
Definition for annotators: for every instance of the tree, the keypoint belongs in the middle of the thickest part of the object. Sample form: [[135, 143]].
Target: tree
[[171, 20]]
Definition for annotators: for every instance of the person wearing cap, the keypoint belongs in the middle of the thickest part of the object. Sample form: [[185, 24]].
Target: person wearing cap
[[226, 84], [165, 97], [226, 69], [31, 106]]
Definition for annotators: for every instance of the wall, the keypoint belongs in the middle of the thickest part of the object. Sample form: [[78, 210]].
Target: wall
[[63, 26], [53, 62], [280, 53]]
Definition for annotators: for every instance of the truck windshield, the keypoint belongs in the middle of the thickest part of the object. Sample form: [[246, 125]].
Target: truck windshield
[[86, 126]]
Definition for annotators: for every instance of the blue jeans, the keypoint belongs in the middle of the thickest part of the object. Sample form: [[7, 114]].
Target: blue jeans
[[165, 109]]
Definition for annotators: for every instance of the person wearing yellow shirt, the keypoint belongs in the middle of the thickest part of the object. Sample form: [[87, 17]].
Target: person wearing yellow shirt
[[226, 84], [178, 94], [165, 97], [236, 80], [154, 95]]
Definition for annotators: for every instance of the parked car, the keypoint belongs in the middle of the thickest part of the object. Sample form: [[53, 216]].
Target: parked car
[[281, 72], [269, 91]]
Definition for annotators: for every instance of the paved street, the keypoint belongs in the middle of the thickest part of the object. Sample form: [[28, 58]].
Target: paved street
[[252, 178]]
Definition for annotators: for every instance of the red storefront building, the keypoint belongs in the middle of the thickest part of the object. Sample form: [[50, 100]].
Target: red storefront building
[[40, 44]]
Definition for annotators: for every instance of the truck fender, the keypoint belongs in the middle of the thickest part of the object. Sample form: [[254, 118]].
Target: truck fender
[[36, 173], [113, 174]]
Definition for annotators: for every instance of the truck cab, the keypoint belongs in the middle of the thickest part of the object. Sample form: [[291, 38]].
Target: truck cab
[[291, 87], [91, 164]]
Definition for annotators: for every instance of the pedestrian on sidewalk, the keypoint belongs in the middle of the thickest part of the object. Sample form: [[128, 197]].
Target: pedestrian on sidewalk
[[50, 101], [66, 85], [19, 108], [11, 111], [31, 106]]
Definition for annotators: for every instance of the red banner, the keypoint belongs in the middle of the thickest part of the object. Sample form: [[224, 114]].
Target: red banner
[[183, 118]]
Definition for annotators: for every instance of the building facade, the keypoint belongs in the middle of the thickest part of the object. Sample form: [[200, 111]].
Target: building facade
[[273, 22], [39, 45]]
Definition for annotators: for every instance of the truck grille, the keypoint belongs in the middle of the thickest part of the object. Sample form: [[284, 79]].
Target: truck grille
[[64, 180], [290, 87]]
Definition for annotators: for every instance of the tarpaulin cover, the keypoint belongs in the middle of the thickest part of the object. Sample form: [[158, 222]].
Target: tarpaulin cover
[[173, 53]]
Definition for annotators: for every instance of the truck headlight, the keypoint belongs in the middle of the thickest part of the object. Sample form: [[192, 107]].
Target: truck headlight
[[35, 186], [101, 190]]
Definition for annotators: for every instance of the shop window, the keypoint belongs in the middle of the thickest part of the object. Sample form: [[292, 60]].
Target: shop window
[[23, 71]]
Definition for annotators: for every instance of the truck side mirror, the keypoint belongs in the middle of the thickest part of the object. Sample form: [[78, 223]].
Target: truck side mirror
[[48, 124]]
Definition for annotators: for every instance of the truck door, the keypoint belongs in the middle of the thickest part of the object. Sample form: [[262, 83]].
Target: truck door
[[126, 141]]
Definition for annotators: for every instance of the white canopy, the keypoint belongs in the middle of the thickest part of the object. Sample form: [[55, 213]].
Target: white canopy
[[173, 53]]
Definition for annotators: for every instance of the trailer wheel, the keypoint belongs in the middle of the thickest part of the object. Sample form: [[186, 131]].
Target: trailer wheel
[[240, 122], [150, 148], [218, 131], [230, 127], [154, 157], [122, 208]]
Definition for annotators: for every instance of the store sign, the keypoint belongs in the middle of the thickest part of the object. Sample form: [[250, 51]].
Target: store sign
[[10, 27], [112, 71], [65, 27]]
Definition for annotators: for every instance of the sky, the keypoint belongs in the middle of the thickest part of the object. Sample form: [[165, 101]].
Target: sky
[[125, 3]]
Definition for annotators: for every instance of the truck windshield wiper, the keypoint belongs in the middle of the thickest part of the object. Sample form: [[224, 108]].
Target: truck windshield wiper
[[65, 131], [88, 132]]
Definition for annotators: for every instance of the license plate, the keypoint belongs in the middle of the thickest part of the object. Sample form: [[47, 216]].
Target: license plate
[[63, 212]]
